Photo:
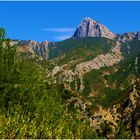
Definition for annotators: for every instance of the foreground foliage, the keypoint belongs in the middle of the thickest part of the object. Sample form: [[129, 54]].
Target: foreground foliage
[[29, 107]]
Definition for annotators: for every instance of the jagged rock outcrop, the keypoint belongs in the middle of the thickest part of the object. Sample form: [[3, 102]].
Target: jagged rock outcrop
[[40, 48], [90, 28], [138, 35], [130, 36]]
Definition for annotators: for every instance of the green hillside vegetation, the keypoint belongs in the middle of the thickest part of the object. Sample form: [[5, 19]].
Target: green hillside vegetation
[[79, 49], [107, 96], [29, 106]]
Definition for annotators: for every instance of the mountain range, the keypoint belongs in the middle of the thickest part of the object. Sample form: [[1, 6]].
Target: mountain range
[[87, 28], [101, 71]]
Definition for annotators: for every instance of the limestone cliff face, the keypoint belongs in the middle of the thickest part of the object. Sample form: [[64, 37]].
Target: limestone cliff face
[[90, 28], [40, 48]]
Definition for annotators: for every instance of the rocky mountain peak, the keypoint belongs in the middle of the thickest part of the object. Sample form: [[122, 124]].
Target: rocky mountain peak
[[91, 28], [88, 19]]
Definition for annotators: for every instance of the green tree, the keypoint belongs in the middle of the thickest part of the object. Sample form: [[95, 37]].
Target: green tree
[[2, 34], [123, 133]]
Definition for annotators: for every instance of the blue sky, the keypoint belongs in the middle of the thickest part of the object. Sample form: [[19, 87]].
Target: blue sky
[[55, 21]]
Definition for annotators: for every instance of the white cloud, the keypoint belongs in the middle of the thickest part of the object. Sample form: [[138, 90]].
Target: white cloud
[[59, 29], [62, 37]]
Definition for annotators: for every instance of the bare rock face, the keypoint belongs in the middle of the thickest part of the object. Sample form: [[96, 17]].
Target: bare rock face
[[138, 35], [40, 48], [90, 28], [130, 36]]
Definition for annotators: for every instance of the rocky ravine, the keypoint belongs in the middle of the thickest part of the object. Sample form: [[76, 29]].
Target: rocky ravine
[[125, 112]]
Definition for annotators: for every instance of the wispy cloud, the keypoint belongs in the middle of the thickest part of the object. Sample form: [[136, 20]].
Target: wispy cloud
[[62, 37], [59, 29]]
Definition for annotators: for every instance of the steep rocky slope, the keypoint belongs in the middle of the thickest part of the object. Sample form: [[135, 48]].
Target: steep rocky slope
[[39, 48]]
